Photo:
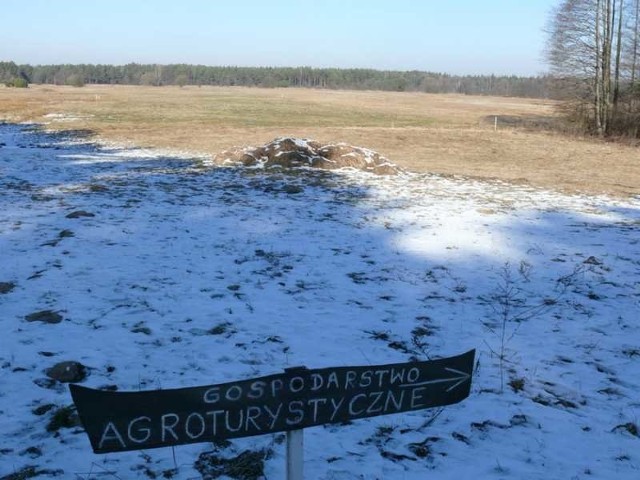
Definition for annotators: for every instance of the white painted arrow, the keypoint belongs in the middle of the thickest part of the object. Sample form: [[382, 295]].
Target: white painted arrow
[[463, 377]]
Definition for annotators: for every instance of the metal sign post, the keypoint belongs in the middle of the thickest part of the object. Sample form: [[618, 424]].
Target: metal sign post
[[295, 443], [295, 454]]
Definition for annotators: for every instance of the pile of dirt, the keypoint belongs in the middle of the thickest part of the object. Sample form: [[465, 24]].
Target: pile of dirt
[[296, 152]]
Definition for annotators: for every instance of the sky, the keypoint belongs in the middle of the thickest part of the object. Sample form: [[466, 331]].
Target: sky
[[458, 37]]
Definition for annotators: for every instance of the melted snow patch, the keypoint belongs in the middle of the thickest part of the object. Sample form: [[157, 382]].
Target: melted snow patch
[[65, 117]]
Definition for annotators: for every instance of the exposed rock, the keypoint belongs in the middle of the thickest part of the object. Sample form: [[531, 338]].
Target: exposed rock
[[145, 330], [63, 417], [48, 383], [296, 152], [42, 409], [248, 465], [6, 287], [67, 372], [80, 214], [32, 452], [98, 188], [292, 189], [26, 472], [592, 261], [45, 316]]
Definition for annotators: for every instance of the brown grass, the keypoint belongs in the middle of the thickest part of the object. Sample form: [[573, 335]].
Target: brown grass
[[446, 134]]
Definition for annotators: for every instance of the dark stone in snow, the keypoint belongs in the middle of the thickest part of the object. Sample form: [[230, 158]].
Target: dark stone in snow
[[32, 452], [42, 409], [592, 261], [79, 214], [64, 417], [49, 383], [292, 189], [67, 372], [248, 465], [46, 316], [6, 287]]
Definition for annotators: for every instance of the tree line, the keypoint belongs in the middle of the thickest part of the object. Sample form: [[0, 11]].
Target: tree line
[[269, 77], [594, 52]]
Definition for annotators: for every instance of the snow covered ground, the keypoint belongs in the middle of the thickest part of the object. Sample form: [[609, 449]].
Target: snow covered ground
[[164, 273]]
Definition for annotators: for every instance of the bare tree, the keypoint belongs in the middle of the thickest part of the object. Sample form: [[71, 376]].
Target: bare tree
[[585, 49], [634, 66], [636, 30], [632, 44]]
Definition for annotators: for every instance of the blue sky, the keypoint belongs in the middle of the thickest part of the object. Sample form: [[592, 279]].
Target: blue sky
[[460, 37]]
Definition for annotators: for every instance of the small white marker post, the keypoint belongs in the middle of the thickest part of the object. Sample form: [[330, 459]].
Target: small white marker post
[[295, 446]]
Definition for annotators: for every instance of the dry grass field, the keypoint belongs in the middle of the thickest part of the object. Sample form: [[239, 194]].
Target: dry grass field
[[445, 134]]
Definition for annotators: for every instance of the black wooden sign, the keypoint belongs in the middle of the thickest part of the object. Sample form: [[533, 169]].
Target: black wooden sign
[[295, 399]]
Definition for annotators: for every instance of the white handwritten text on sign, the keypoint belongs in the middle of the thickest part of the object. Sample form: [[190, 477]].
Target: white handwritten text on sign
[[121, 421]]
